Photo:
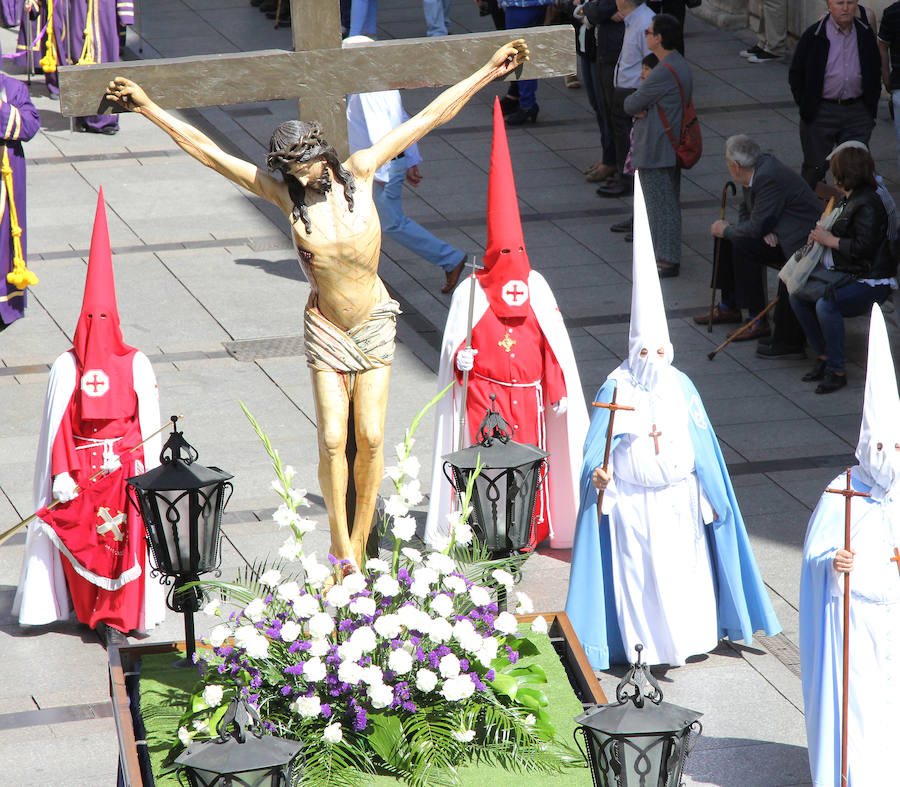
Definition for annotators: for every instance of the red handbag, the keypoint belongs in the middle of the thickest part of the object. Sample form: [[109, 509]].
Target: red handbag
[[689, 147]]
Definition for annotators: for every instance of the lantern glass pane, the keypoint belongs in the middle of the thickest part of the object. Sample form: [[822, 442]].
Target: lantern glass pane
[[191, 549]]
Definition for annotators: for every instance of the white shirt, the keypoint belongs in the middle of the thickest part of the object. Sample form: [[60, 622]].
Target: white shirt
[[634, 48], [370, 116]]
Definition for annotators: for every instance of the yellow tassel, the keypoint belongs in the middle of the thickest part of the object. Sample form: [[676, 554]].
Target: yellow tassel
[[89, 50], [50, 59], [20, 277]]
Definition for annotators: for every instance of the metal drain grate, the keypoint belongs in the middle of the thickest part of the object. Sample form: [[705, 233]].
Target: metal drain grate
[[782, 649], [274, 347]]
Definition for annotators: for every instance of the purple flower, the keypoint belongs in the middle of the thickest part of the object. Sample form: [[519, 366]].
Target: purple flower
[[274, 632], [489, 675], [433, 659], [286, 691], [345, 624], [332, 559], [464, 665], [360, 720], [269, 727], [410, 706], [296, 646], [269, 598], [294, 669]]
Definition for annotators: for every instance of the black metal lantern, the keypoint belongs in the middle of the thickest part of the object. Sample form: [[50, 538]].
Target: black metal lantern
[[505, 488], [236, 758], [633, 743], [181, 503]]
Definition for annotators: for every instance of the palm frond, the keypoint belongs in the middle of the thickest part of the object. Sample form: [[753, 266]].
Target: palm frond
[[343, 764]]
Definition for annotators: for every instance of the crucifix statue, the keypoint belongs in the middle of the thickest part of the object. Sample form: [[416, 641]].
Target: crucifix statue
[[317, 72]]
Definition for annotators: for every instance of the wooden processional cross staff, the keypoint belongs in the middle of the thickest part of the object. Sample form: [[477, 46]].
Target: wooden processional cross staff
[[317, 72], [849, 493], [612, 407]]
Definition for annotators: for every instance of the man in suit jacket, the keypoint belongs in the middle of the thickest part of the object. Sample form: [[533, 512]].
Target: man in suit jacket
[[835, 77], [778, 213]]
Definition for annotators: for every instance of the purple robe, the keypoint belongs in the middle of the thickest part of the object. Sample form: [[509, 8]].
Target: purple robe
[[106, 16], [9, 12], [19, 122]]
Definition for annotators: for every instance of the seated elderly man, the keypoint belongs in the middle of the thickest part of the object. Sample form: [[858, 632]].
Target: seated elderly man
[[778, 211]]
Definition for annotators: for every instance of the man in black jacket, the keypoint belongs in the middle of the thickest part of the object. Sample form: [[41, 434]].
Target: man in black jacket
[[778, 212], [835, 77]]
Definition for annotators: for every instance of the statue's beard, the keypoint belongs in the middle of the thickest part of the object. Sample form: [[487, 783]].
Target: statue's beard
[[321, 184]]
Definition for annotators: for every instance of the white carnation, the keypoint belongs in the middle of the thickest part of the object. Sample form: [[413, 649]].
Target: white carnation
[[290, 630], [465, 736], [539, 625], [506, 623], [395, 507], [363, 605], [250, 639], [316, 573], [377, 564], [350, 672], [321, 624], [488, 650], [458, 688], [288, 591], [413, 555], [306, 605], [386, 585], [400, 661], [373, 675], [355, 582], [318, 646], [381, 695], [524, 605], [291, 549], [463, 533], [314, 670], [338, 596], [184, 735], [455, 583], [502, 577], [307, 707], [404, 527], [480, 596], [333, 733], [255, 609], [350, 650], [271, 578], [218, 635], [440, 630], [442, 605], [365, 639], [211, 607], [426, 680], [448, 666], [427, 576], [443, 564], [388, 626], [212, 695]]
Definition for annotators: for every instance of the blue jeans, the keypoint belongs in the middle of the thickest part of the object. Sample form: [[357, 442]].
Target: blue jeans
[[397, 226], [823, 321], [362, 17], [532, 16], [436, 16]]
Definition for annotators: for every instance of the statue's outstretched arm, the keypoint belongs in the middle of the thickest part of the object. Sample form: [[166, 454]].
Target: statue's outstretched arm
[[447, 104], [131, 96]]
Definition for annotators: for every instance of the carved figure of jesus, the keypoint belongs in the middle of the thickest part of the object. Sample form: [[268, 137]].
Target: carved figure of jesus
[[350, 319]]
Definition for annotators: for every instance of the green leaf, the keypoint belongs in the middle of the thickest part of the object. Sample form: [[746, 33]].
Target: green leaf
[[524, 647], [505, 684], [388, 741], [531, 698], [533, 673]]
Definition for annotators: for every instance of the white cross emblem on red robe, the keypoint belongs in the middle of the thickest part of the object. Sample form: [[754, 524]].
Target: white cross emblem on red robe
[[95, 382], [111, 524], [515, 292]]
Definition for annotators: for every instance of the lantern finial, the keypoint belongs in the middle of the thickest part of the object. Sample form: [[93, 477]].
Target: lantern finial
[[638, 677]]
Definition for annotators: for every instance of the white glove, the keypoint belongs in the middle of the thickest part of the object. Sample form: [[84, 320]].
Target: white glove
[[561, 406], [64, 488], [465, 359]]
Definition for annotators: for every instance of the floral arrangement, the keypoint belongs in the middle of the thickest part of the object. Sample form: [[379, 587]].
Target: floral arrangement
[[405, 667]]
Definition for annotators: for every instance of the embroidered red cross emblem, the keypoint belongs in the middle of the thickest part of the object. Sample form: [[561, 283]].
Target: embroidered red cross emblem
[[95, 382], [514, 292]]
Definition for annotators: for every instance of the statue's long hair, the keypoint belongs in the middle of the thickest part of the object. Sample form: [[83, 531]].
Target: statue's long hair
[[295, 141]]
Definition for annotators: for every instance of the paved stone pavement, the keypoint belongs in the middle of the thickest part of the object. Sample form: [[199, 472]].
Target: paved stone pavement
[[207, 279]]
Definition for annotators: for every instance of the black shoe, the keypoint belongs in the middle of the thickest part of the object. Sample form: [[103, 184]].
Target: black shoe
[[110, 636], [522, 115], [765, 341], [763, 57], [784, 351], [629, 237], [816, 373], [508, 104], [623, 226], [751, 51], [668, 270], [614, 187], [831, 383]]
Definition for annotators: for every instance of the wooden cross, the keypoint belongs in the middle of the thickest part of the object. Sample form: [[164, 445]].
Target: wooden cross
[[317, 72], [655, 435], [848, 493], [612, 407], [896, 558]]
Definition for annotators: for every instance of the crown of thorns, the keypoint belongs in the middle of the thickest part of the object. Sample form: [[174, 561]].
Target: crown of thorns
[[308, 146]]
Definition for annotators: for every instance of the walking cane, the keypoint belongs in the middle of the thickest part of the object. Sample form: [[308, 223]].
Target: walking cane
[[612, 407], [29, 519], [743, 328], [461, 443], [716, 252], [848, 493]]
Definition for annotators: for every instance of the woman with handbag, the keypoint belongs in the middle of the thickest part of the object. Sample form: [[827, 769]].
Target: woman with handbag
[[857, 267]]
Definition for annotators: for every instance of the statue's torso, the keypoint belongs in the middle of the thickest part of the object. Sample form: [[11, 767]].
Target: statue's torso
[[340, 255]]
